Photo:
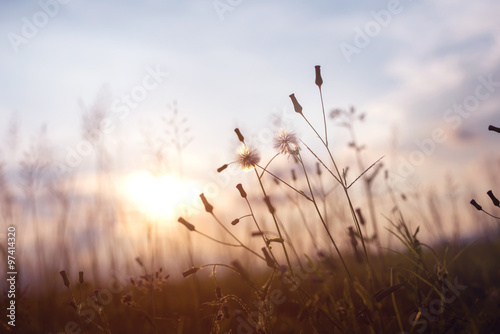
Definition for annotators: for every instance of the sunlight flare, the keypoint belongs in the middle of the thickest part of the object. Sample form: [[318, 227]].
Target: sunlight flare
[[159, 197]]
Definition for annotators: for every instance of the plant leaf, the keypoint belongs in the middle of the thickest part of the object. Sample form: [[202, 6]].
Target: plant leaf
[[381, 294]]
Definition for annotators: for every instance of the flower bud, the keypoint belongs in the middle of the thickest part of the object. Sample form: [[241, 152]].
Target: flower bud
[[190, 271], [360, 216], [495, 200], [269, 205], [64, 277], [296, 105], [319, 80], [208, 207], [185, 223], [221, 168], [241, 190], [477, 206], [240, 136], [494, 128]]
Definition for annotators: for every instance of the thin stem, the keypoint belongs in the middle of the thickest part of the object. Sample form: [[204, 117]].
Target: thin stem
[[321, 218], [300, 192], [489, 214], [260, 231], [236, 238], [267, 165], [322, 163], [276, 224], [324, 116], [353, 213], [217, 241]]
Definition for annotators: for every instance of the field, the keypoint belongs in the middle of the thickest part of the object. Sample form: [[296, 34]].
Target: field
[[300, 244]]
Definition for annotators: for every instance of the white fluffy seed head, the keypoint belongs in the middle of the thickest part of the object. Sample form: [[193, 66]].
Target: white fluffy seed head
[[247, 157]]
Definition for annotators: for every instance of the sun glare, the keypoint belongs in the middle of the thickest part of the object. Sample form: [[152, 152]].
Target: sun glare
[[157, 197]]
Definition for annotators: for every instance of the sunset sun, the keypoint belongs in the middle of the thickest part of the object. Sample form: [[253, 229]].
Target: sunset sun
[[157, 197]]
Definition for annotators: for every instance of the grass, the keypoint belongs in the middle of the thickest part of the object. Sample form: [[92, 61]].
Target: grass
[[285, 265]]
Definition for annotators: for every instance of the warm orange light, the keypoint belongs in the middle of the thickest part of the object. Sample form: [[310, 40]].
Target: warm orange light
[[157, 197]]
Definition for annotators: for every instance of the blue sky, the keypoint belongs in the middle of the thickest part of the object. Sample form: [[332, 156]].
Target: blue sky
[[419, 61]]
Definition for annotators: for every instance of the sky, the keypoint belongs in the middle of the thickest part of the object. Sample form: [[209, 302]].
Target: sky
[[427, 71]]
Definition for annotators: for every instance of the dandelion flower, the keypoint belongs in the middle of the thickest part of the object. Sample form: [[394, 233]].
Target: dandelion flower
[[286, 142], [247, 157]]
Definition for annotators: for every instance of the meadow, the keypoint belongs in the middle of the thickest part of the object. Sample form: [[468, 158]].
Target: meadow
[[298, 243]]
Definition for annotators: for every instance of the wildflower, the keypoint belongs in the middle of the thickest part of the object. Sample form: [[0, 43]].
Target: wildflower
[[247, 157], [286, 142]]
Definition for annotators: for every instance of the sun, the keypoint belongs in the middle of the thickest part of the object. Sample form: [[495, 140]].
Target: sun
[[159, 197]]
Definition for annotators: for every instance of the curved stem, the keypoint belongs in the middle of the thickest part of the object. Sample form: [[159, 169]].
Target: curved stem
[[217, 241], [267, 165], [236, 238]]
